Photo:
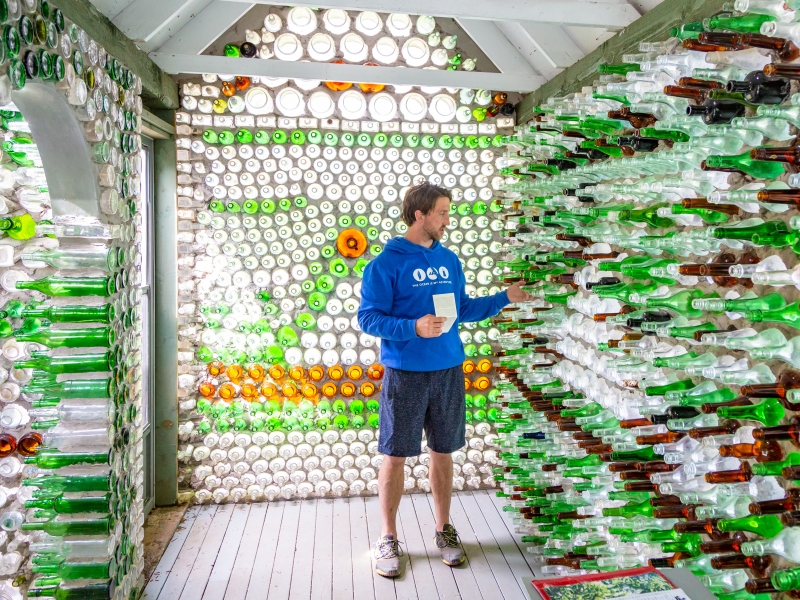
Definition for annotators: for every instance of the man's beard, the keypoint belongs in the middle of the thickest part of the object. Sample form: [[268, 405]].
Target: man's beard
[[434, 234]]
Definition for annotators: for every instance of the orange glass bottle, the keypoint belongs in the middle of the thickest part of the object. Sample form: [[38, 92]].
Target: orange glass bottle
[[329, 389], [338, 86], [484, 365], [207, 389], [375, 372], [234, 372], [316, 373], [335, 372], [241, 83], [367, 388], [297, 373], [215, 367], [249, 391], [228, 89], [228, 391], [468, 367], [256, 373], [371, 88], [348, 389], [355, 372], [762, 451], [309, 391], [277, 372], [482, 384]]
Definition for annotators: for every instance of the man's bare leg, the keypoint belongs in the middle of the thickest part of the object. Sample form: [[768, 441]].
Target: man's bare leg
[[390, 491], [440, 475]]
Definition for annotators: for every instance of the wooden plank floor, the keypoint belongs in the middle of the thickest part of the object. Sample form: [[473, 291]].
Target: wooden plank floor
[[321, 549]]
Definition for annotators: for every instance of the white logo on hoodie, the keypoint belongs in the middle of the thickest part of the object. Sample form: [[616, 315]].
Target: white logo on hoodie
[[432, 274]]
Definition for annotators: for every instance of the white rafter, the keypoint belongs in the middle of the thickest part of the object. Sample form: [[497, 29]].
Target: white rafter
[[496, 46], [255, 67], [611, 14], [554, 43], [201, 31]]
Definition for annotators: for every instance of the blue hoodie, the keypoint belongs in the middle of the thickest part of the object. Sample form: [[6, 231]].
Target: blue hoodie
[[397, 290]]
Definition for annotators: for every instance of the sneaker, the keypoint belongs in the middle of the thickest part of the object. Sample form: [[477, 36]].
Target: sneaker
[[450, 546], [388, 557]]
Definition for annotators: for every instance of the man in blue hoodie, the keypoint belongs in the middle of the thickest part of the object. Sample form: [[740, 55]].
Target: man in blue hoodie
[[423, 386]]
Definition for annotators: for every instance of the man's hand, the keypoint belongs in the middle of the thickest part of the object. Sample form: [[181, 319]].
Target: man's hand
[[517, 294], [429, 326]]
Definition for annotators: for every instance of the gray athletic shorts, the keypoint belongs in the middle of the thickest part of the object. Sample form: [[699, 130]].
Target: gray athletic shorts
[[415, 400]]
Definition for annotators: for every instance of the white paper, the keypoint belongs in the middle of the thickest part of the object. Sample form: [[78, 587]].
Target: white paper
[[445, 306], [676, 594]]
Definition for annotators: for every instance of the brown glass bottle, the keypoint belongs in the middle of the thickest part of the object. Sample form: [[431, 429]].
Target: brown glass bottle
[[702, 84], [712, 407], [775, 507], [785, 49], [699, 96], [761, 450], [784, 154], [707, 526], [727, 428], [789, 432], [638, 120], [621, 467], [757, 564], [717, 269], [631, 423], [655, 466], [742, 474], [670, 437], [724, 546], [681, 511], [8, 444], [699, 46], [782, 70], [667, 500], [728, 209], [760, 586], [668, 562], [787, 380], [29, 444], [790, 196]]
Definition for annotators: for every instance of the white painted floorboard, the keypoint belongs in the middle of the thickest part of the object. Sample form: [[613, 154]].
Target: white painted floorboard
[[320, 550]]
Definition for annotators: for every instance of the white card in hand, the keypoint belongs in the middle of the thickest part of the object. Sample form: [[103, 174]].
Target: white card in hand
[[445, 306]]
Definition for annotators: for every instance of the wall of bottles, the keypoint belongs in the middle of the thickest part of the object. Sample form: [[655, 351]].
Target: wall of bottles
[[286, 189], [71, 464], [649, 389]]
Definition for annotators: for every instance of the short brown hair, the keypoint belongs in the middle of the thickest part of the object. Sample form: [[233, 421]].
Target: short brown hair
[[422, 197]]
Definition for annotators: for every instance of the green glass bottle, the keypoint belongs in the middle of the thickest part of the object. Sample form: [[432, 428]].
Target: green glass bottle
[[89, 504], [770, 412], [244, 136], [72, 314], [764, 525], [759, 169], [18, 227], [72, 483], [226, 137], [49, 458], [774, 468], [70, 286], [747, 23], [81, 589], [69, 338], [77, 388]]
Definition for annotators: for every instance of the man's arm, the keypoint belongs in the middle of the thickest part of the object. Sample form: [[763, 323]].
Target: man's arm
[[478, 309], [374, 312]]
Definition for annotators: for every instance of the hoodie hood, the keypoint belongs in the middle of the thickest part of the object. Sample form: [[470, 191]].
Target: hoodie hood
[[403, 246]]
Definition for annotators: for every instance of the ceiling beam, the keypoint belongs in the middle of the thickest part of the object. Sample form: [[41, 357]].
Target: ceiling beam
[[496, 46], [654, 25], [583, 13], [158, 89], [143, 19], [254, 67], [553, 43], [199, 33]]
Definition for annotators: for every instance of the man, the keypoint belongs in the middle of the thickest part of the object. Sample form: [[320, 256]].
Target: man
[[423, 386]]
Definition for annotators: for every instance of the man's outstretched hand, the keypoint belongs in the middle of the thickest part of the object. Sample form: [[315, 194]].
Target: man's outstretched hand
[[429, 326], [517, 294]]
